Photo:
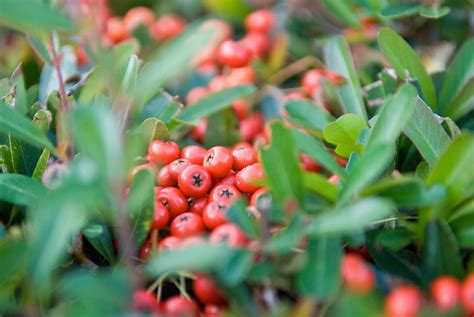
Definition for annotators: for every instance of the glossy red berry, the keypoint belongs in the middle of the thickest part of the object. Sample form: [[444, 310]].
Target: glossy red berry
[[206, 291], [187, 225], [178, 166], [146, 250], [241, 76], [312, 81], [229, 234], [467, 294], [200, 130], [164, 177], [246, 178], [250, 127], [404, 301], [161, 217], [233, 54], [243, 155], [309, 164], [214, 214], [357, 276], [197, 205], [256, 196], [258, 43], [163, 152], [218, 161], [180, 306], [260, 21], [193, 153], [136, 16], [174, 200], [446, 292], [241, 108], [115, 30], [228, 180], [145, 302], [213, 311], [194, 181], [224, 193], [167, 27], [169, 243]]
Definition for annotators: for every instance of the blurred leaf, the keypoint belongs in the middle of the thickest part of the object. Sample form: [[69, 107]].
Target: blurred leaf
[[343, 11], [321, 186], [24, 157], [394, 116], [440, 254], [234, 10], [347, 219], [287, 239], [238, 215], [140, 204], [397, 11], [98, 235], [315, 148], [426, 133], [338, 59], [355, 305], [154, 129], [462, 224], [434, 11], [13, 257], [213, 103], [17, 79], [20, 189], [162, 107], [463, 103], [407, 63], [281, 165], [320, 278], [344, 132], [235, 268], [308, 115], [222, 129], [33, 17], [395, 239], [459, 73], [40, 48], [6, 159], [127, 88], [22, 128]]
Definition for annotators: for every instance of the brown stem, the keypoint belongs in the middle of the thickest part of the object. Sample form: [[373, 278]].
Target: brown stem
[[294, 68]]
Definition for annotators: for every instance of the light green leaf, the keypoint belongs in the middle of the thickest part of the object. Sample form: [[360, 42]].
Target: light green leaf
[[307, 114], [463, 103], [343, 11], [434, 11], [20, 189], [344, 132], [321, 186]]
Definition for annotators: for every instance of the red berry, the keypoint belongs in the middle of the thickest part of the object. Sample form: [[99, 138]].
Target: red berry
[[197, 205], [136, 16], [161, 217], [207, 292], [169, 243], [309, 164], [256, 196], [258, 43], [241, 108], [164, 177], [146, 250], [224, 193], [218, 161], [194, 181], [467, 294], [228, 180], [193, 153], [115, 30], [217, 83], [178, 166], [229, 234], [404, 301], [163, 152], [187, 225], [167, 27], [145, 302], [214, 214], [200, 130], [174, 200], [233, 54], [259, 21], [356, 274], [196, 94], [251, 126], [241, 76], [312, 81], [446, 292], [180, 306], [243, 155], [212, 311], [246, 178]]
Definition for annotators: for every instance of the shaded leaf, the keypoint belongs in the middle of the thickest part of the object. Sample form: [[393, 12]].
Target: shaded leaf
[[20, 189], [98, 235]]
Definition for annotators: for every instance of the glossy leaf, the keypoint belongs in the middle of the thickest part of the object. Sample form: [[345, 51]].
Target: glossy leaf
[[20, 189], [98, 235], [344, 133]]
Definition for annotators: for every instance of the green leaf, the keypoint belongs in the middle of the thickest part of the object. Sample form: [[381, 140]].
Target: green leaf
[[17, 79], [13, 256], [222, 129], [20, 127], [343, 11], [214, 103], [98, 235], [370, 166], [459, 73], [463, 103], [454, 169], [393, 117], [338, 58], [397, 11], [407, 63], [24, 157], [440, 254], [140, 204], [434, 11], [315, 148], [321, 186], [395, 239], [40, 48], [344, 133], [426, 133], [462, 224], [154, 129], [320, 277], [281, 165], [285, 241], [307, 114], [234, 269], [351, 218], [20, 189], [238, 215], [33, 17]]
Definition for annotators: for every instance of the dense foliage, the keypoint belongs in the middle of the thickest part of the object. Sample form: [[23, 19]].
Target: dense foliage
[[236, 158]]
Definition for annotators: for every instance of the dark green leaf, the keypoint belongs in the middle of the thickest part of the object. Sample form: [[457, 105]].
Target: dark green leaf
[[463, 103], [288, 239], [222, 129], [238, 215], [462, 224], [344, 132], [20, 189], [397, 11], [307, 114], [235, 268], [24, 157], [406, 63], [338, 58], [13, 256], [98, 235], [395, 239], [213, 103]]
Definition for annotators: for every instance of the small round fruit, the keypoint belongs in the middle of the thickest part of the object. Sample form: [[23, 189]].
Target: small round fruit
[[256, 196], [312, 81], [309, 164], [164, 177], [200, 130], [217, 83], [187, 225], [250, 127], [446, 292], [178, 166], [229, 234], [161, 216], [218, 161], [241, 108], [224, 193], [259, 21], [243, 155], [356, 274], [233, 54], [214, 214], [180, 306], [196, 94], [115, 30], [145, 250], [167, 27], [169, 243], [213, 311], [197, 205], [174, 200], [145, 302], [136, 16], [258, 43], [193, 153], [207, 292], [194, 181], [404, 301], [228, 180], [246, 177], [163, 152], [467, 294]]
